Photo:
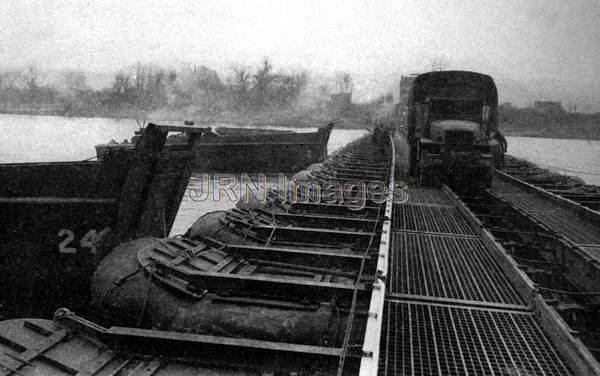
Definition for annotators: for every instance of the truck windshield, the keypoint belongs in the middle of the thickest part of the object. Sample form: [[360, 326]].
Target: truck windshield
[[460, 109]]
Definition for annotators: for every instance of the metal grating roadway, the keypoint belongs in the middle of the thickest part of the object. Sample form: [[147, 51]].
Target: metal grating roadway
[[447, 267], [571, 226], [424, 218], [427, 196], [427, 339]]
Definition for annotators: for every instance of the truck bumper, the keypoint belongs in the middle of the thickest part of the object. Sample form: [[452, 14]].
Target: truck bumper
[[459, 170]]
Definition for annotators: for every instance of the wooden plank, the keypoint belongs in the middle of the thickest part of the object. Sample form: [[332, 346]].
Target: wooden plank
[[43, 346], [218, 267], [95, 365], [230, 266], [147, 369], [9, 364], [178, 260], [180, 243], [249, 269], [121, 367], [211, 256]]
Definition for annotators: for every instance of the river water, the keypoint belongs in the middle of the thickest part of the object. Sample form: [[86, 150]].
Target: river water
[[53, 138], [570, 157]]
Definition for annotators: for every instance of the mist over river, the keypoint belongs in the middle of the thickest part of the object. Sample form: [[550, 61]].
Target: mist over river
[[54, 138]]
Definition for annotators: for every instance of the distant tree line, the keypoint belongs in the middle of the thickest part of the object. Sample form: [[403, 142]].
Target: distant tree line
[[20, 89], [144, 88], [515, 121]]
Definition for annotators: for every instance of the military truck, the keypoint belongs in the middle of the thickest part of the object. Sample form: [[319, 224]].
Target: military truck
[[453, 132]]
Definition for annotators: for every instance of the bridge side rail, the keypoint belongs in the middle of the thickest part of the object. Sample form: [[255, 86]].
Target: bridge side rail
[[580, 210], [574, 351], [371, 346], [583, 266]]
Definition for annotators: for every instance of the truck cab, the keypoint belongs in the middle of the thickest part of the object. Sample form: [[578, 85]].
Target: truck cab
[[449, 134]]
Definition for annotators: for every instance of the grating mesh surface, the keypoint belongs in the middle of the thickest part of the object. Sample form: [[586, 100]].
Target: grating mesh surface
[[530, 203], [502, 186], [594, 251], [521, 198], [440, 219], [558, 219], [571, 226], [424, 339], [447, 267], [428, 196]]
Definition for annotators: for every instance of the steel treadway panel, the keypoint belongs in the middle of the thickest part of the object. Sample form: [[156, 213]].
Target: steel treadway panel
[[427, 196], [555, 217], [522, 198], [594, 251], [426, 218], [572, 227], [428, 339], [447, 267]]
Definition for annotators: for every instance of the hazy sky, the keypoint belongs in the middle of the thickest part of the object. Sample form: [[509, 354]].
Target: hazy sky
[[512, 38]]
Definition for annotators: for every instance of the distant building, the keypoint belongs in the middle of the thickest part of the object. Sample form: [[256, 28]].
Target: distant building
[[548, 107], [406, 83]]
